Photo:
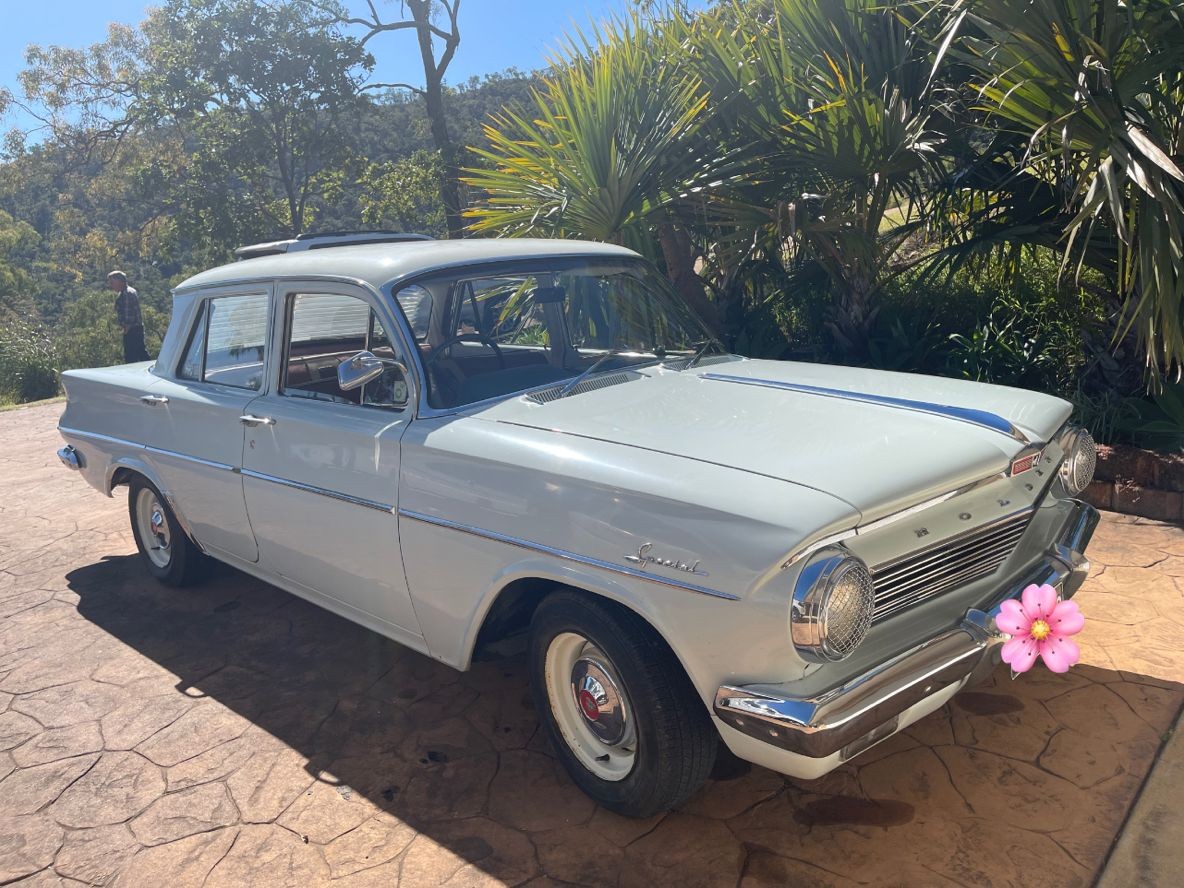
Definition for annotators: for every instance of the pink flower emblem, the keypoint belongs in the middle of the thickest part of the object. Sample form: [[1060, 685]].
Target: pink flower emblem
[[1040, 626]]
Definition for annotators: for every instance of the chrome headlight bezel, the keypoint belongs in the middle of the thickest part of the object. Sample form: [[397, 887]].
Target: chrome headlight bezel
[[1079, 460], [817, 634]]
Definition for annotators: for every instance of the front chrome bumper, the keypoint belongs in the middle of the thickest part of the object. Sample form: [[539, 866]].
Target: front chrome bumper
[[863, 710]]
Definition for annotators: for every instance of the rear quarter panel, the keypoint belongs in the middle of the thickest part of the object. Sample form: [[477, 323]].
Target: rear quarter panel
[[104, 418]]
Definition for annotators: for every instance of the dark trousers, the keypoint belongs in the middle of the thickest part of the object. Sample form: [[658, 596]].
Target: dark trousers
[[133, 345]]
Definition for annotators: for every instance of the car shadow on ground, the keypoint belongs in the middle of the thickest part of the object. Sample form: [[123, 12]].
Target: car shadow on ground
[[331, 732]]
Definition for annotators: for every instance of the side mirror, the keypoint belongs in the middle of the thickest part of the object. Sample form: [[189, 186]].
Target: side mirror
[[355, 372]]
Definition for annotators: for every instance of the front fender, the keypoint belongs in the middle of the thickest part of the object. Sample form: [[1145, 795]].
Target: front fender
[[483, 505]]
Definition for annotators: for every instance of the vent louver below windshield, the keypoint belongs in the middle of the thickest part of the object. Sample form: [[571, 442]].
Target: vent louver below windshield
[[596, 382]]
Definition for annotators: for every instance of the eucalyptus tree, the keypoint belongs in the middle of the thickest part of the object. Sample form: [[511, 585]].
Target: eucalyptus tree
[[258, 91], [436, 24]]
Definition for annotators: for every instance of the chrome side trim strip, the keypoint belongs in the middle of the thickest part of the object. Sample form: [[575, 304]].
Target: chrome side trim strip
[[95, 436], [320, 491], [981, 418], [564, 554], [160, 451], [209, 463]]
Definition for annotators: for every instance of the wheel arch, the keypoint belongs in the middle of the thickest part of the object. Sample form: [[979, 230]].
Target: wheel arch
[[124, 470], [510, 605]]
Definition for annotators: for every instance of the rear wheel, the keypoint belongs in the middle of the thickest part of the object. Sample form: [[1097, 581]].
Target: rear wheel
[[170, 556], [617, 706]]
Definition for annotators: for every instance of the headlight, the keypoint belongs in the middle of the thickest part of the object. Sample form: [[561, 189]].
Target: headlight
[[832, 606], [1081, 458]]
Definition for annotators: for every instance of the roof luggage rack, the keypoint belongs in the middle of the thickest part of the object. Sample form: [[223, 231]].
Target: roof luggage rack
[[324, 239]]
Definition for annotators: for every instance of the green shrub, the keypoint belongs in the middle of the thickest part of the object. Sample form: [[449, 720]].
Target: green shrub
[[28, 362], [1157, 422], [1011, 326]]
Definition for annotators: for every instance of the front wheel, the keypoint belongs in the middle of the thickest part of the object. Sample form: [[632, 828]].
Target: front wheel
[[617, 706], [170, 556]]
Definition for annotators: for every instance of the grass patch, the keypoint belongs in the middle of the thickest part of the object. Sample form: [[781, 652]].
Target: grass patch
[[5, 406]]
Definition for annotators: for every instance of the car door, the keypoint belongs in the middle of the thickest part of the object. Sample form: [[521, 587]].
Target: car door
[[193, 427], [321, 464]]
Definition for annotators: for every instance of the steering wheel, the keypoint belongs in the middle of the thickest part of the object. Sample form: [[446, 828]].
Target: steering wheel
[[465, 337]]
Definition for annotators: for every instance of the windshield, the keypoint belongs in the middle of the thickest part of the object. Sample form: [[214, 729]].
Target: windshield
[[497, 331]]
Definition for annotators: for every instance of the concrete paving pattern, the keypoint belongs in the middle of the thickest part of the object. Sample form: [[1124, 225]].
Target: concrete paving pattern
[[233, 734]]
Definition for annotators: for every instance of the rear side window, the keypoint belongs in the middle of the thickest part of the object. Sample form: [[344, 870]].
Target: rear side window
[[195, 352], [227, 343]]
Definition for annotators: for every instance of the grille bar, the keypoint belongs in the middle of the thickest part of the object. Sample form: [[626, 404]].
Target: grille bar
[[947, 565], [950, 561], [888, 608]]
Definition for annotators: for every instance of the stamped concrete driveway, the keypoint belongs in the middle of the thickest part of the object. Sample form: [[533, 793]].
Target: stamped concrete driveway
[[235, 735]]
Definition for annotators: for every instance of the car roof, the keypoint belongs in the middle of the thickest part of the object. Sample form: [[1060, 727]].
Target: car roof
[[379, 264]]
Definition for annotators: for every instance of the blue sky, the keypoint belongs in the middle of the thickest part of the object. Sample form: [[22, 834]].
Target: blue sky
[[495, 34]]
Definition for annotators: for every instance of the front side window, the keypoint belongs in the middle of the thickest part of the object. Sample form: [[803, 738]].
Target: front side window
[[325, 329], [544, 322], [227, 343]]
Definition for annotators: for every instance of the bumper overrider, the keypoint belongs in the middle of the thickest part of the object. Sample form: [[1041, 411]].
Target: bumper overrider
[[849, 718]]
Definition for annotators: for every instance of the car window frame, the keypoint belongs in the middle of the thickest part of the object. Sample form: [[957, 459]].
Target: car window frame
[[441, 313], [394, 322], [199, 311]]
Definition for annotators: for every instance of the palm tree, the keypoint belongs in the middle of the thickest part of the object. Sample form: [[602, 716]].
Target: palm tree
[[1080, 109], [608, 149], [837, 113]]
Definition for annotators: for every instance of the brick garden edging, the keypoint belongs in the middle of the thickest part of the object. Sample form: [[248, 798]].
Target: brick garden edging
[[1138, 482]]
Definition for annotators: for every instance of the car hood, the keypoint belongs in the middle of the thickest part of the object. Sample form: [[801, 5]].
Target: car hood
[[880, 441]]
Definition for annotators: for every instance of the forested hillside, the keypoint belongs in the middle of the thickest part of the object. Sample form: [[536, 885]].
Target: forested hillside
[[211, 124], [151, 207]]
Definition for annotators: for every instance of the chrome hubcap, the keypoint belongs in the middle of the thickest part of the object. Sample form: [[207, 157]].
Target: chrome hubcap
[[154, 528], [599, 701], [590, 706]]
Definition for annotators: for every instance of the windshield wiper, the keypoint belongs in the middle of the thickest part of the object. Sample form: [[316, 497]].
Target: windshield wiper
[[699, 353], [566, 390]]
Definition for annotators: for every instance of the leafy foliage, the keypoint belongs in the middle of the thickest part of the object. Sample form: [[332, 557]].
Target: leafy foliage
[[1085, 98], [985, 189], [28, 361], [595, 156]]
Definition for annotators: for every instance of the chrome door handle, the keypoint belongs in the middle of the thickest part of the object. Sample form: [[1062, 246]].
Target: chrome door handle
[[154, 400], [252, 420]]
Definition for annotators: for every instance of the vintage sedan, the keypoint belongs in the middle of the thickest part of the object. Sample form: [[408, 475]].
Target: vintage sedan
[[454, 443]]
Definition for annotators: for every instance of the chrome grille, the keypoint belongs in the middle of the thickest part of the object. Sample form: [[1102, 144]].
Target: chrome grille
[[955, 562]]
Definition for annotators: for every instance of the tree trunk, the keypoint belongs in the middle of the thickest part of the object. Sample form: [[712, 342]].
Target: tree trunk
[[679, 254], [421, 12]]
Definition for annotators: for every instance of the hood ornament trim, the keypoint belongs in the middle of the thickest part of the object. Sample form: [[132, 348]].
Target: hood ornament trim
[[982, 418]]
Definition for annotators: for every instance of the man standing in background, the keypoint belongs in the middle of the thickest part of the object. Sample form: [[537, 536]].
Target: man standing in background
[[131, 323]]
